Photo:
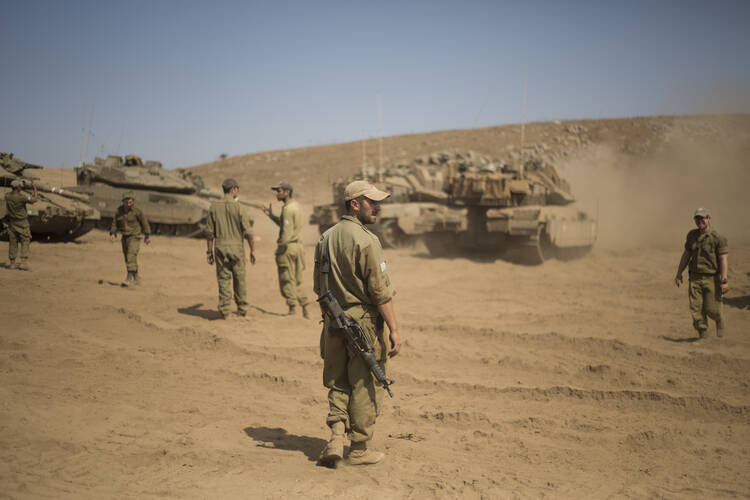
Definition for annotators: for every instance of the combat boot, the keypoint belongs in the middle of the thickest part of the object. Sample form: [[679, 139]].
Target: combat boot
[[136, 278], [305, 312], [129, 279], [333, 452], [360, 455], [292, 310], [24, 265], [12, 264], [719, 330]]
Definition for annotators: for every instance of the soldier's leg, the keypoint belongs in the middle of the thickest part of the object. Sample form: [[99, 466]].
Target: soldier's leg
[[713, 303], [12, 244], [299, 289], [366, 398], [695, 293], [238, 282], [223, 278], [286, 281], [335, 378], [24, 236], [131, 259]]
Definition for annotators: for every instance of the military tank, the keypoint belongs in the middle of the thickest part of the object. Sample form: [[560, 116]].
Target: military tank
[[525, 212], [466, 202], [60, 214], [172, 202], [417, 205]]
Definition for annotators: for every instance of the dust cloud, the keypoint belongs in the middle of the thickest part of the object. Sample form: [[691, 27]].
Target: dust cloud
[[648, 201]]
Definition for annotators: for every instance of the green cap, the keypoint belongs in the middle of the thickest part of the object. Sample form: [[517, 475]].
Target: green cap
[[702, 212], [127, 194]]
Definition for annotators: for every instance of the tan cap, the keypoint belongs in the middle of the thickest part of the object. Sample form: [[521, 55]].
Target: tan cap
[[229, 183], [363, 188], [282, 185], [702, 212]]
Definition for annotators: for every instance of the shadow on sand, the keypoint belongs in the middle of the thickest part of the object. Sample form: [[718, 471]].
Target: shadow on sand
[[680, 339], [270, 313], [195, 310], [280, 439], [738, 302]]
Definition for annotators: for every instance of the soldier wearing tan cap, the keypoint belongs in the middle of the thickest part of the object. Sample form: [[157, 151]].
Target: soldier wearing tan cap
[[290, 257], [707, 254], [228, 227], [130, 222], [358, 278], [17, 221]]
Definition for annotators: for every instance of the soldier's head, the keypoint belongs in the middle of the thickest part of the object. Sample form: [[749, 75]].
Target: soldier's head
[[230, 187], [702, 218], [128, 200], [16, 185], [283, 190], [362, 201]]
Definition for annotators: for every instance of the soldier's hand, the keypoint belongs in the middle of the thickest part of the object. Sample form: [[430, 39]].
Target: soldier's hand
[[267, 210], [210, 258], [724, 288], [252, 257], [112, 237], [147, 240], [678, 280], [395, 344]]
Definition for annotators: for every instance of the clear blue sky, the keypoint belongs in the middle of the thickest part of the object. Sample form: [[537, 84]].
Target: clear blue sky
[[184, 81]]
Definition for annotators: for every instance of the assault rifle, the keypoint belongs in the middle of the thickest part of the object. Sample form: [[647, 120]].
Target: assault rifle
[[356, 341]]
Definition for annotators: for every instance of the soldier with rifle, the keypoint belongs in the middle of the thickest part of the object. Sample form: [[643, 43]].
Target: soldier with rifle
[[356, 299]]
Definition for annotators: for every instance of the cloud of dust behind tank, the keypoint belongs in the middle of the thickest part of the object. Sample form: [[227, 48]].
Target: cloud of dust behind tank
[[648, 201]]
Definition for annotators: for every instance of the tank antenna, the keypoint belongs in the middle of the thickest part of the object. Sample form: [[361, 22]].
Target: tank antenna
[[380, 140]]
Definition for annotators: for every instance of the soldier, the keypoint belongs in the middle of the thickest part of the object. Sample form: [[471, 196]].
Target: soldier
[[290, 257], [358, 279], [17, 220], [228, 226], [132, 225], [707, 254]]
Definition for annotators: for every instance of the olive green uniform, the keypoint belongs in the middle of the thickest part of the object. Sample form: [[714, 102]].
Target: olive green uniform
[[229, 225], [704, 277], [133, 226], [359, 281], [17, 220], [290, 257]]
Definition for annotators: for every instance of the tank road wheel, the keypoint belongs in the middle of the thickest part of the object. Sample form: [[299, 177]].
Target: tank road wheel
[[441, 244], [391, 236], [534, 250]]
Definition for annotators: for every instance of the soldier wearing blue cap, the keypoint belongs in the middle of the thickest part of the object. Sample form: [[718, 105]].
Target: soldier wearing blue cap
[[707, 255], [17, 220]]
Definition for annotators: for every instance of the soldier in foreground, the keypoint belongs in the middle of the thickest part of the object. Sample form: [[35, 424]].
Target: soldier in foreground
[[17, 220], [228, 226], [349, 264], [707, 254], [130, 222], [290, 257]]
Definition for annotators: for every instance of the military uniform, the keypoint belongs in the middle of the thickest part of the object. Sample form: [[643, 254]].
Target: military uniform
[[133, 226], [290, 257], [17, 220], [228, 226], [359, 281], [704, 288]]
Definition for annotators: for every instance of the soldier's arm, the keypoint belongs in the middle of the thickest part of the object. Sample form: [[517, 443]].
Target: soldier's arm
[[210, 238], [723, 251], [247, 233], [681, 267], [144, 226]]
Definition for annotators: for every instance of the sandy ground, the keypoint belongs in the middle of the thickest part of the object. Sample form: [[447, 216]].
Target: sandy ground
[[568, 380]]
